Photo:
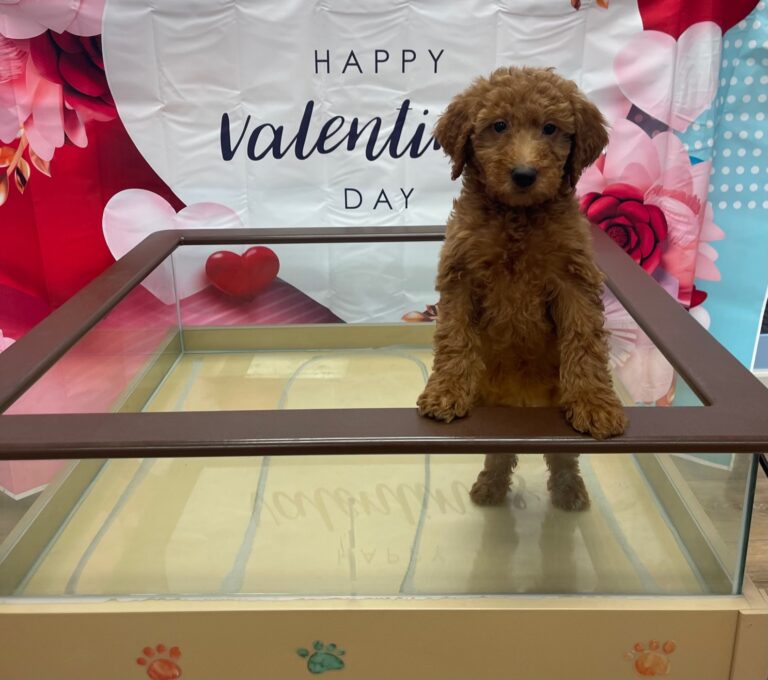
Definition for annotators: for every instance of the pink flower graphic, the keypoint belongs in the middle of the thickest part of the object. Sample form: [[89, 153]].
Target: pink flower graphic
[[12, 60], [638, 175], [50, 86], [77, 65], [28, 18], [51, 79], [33, 108]]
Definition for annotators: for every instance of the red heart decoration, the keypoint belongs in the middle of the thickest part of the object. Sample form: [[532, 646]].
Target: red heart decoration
[[242, 276]]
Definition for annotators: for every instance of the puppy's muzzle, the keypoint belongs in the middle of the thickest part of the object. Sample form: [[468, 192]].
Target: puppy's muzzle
[[524, 176]]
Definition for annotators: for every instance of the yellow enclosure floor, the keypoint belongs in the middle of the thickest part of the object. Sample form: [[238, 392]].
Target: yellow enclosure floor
[[348, 525]]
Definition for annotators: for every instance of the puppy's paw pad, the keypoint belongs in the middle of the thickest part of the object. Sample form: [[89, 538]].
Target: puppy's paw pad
[[488, 493]]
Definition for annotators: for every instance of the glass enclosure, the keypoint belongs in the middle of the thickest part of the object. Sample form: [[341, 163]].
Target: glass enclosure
[[177, 342], [659, 523], [376, 526]]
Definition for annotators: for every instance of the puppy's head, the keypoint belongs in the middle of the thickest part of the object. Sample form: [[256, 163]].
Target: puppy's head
[[525, 133]]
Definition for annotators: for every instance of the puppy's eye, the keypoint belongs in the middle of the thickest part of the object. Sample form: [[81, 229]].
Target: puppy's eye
[[499, 126], [549, 129]]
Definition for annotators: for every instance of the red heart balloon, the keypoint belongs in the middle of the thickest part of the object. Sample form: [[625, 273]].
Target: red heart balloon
[[242, 276]]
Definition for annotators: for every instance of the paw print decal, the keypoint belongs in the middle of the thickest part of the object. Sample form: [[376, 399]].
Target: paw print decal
[[160, 662], [322, 658], [651, 661]]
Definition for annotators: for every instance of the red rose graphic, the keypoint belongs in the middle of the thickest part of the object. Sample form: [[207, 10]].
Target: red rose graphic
[[75, 63], [638, 227]]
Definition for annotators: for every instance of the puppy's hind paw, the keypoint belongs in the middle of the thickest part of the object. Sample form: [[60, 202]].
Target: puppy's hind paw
[[568, 492], [488, 492]]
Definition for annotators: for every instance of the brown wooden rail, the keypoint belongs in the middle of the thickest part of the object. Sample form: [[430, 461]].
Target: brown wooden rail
[[734, 417]]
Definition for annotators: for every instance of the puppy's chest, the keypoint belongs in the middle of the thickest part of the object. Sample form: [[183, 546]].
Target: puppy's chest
[[509, 297], [514, 294]]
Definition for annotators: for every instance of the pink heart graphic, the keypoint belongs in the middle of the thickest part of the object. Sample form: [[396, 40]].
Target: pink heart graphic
[[134, 214], [672, 80]]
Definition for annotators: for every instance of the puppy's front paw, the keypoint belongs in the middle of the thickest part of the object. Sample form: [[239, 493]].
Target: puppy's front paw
[[568, 492], [601, 416], [442, 404]]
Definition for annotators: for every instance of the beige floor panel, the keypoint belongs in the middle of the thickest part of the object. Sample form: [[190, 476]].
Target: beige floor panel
[[525, 545], [296, 380], [636, 512], [222, 382], [335, 525], [73, 544], [374, 525]]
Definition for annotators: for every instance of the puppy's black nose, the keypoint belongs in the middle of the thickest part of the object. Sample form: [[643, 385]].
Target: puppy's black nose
[[524, 176]]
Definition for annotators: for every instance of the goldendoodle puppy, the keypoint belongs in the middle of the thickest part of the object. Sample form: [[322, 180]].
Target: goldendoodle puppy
[[520, 319]]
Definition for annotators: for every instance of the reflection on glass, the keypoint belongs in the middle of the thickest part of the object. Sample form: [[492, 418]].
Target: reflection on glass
[[111, 367], [376, 525], [642, 374]]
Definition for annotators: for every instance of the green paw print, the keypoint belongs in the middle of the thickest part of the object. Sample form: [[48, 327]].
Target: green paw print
[[323, 658]]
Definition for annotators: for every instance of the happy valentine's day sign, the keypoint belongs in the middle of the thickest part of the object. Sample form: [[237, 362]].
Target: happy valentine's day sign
[[310, 113]]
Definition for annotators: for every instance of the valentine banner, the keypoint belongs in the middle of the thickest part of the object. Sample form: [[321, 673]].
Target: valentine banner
[[121, 118]]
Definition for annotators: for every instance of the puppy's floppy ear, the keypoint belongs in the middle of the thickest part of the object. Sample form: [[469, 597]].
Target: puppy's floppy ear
[[589, 139], [453, 131]]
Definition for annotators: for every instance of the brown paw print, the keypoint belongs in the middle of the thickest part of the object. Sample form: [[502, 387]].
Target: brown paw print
[[160, 662], [652, 661]]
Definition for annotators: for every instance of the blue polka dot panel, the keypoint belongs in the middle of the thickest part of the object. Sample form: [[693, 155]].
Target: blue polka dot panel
[[694, 144], [733, 134]]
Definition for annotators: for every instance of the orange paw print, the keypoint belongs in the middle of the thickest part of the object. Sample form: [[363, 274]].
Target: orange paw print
[[652, 661], [160, 662]]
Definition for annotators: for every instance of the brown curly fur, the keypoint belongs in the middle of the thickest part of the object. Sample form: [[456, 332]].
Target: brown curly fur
[[521, 317]]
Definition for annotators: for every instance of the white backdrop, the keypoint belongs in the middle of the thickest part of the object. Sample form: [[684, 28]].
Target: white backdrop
[[176, 67]]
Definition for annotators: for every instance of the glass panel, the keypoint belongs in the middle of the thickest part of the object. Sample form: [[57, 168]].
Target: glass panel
[[20, 485], [237, 286], [375, 525], [710, 496], [642, 374], [262, 328], [761, 353], [117, 364]]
